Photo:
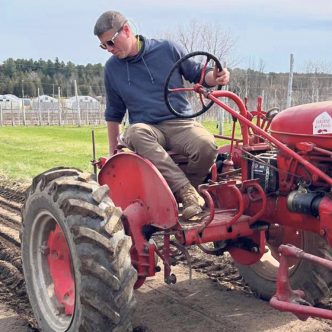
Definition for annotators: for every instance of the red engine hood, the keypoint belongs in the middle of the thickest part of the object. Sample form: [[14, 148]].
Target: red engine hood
[[305, 123]]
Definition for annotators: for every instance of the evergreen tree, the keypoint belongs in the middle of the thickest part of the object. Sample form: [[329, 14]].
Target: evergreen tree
[[29, 75]]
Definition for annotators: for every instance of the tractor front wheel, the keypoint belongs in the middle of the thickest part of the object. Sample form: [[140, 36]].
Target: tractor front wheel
[[75, 255]]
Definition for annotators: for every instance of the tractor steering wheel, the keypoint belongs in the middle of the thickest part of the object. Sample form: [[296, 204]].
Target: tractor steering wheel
[[195, 88]]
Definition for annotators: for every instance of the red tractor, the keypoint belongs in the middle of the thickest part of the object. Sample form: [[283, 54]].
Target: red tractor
[[86, 244]]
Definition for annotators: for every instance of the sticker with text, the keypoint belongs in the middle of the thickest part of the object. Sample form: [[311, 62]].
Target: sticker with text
[[322, 124]]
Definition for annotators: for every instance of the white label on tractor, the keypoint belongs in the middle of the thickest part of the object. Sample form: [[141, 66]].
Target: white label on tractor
[[322, 124]]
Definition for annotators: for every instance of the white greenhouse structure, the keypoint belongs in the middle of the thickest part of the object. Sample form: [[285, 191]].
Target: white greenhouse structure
[[9, 101], [85, 103], [45, 103]]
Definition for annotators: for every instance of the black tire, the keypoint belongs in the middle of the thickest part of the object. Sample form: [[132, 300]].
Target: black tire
[[66, 199], [314, 280]]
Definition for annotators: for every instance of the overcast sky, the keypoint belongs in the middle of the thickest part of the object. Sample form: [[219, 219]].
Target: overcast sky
[[267, 30]]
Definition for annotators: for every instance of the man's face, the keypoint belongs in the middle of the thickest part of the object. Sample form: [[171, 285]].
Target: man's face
[[116, 41]]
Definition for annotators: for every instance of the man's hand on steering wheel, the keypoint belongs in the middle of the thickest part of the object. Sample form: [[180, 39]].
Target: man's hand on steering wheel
[[214, 78], [217, 77]]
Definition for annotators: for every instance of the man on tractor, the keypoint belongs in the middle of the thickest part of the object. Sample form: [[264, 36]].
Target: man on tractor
[[134, 79]]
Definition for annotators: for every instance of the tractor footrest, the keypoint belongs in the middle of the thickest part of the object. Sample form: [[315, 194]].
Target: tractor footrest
[[217, 230], [221, 218]]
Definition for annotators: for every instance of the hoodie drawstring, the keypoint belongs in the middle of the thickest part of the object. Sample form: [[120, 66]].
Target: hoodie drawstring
[[147, 68], [128, 74]]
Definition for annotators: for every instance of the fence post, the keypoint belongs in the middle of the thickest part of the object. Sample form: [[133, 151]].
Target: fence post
[[290, 82], [221, 114], [1, 115], [59, 106], [87, 113], [23, 112], [101, 113], [221, 120], [39, 111], [78, 105], [12, 114]]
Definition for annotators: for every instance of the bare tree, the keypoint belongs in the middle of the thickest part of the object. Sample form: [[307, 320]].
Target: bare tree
[[313, 84], [208, 37]]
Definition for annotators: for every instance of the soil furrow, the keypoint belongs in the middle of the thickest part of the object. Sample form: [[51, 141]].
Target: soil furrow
[[15, 195], [10, 205], [12, 285], [10, 234], [10, 222], [11, 216]]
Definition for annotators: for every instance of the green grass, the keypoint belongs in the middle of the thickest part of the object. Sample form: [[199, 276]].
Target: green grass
[[212, 127], [27, 151]]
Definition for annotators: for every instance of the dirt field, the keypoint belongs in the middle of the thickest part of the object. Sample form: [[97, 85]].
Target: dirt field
[[215, 300]]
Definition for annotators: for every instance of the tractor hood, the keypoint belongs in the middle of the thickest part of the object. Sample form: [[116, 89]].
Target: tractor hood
[[305, 123]]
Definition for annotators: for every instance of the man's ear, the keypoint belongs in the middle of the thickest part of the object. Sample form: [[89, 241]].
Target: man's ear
[[126, 29]]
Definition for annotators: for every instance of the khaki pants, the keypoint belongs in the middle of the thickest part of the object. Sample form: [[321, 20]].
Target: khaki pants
[[184, 137]]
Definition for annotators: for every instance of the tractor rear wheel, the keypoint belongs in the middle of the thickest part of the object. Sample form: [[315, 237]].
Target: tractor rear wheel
[[314, 280], [75, 255]]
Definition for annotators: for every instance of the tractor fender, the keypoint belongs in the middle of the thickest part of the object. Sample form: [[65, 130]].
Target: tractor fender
[[132, 178]]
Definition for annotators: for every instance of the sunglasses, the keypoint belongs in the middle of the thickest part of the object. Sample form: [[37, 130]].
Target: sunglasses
[[112, 40]]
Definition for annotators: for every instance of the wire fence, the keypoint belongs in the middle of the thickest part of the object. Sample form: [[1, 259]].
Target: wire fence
[[15, 115], [60, 112]]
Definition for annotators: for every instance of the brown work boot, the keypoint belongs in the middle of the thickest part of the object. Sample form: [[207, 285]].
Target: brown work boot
[[192, 202]]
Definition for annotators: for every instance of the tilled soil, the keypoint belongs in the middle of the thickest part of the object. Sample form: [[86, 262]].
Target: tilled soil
[[12, 288]]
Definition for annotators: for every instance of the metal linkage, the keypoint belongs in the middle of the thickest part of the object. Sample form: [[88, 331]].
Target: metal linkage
[[246, 124], [287, 299]]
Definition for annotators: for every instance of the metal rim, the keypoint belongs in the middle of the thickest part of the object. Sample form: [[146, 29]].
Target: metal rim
[[43, 261]]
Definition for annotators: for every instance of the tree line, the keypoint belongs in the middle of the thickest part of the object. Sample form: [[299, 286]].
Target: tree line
[[307, 87], [25, 77]]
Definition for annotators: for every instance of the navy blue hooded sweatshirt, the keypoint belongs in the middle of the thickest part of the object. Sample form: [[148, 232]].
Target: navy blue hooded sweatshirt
[[137, 83]]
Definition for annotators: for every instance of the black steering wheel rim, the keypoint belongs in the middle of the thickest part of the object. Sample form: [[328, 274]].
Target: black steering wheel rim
[[167, 92]]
